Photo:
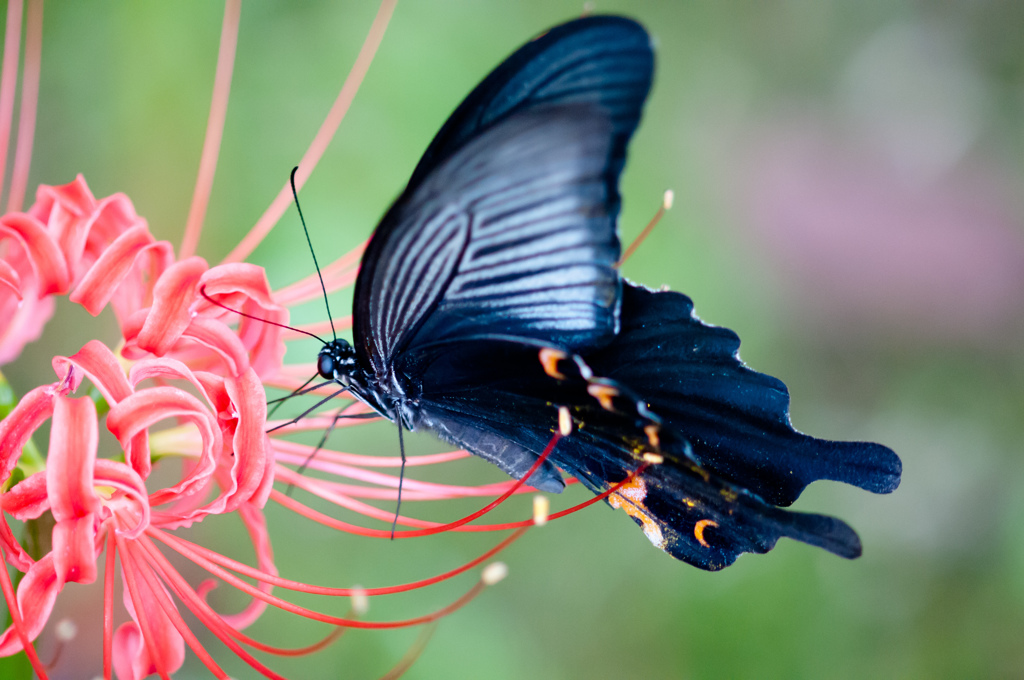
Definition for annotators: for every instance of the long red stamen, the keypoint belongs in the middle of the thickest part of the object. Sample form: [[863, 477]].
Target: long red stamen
[[350, 492], [209, 560], [338, 274], [144, 571], [432, 527], [215, 621], [9, 79], [127, 569], [666, 204], [323, 136], [406, 662], [327, 640], [29, 100], [284, 605], [389, 483], [17, 621], [108, 605], [299, 452], [214, 128]]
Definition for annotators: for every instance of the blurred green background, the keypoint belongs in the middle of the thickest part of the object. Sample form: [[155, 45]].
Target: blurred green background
[[847, 179]]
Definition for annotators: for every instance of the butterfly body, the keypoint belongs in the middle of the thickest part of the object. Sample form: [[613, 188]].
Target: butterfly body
[[489, 299]]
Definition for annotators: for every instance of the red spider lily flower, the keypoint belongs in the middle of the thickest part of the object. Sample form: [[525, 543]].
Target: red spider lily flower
[[100, 253], [100, 503], [185, 384], [91, 498]]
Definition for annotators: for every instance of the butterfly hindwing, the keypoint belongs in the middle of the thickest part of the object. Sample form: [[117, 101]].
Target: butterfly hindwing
[[481, 392], [736, 420]]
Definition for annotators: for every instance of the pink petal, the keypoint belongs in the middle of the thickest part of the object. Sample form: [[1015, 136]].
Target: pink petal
[[33, 409], [169, 316], [111, 217], [125, 480], [252, 472], [102, 368], [74, 438], [16, 555], [24, 323], [219, 338], [10, 279], [130, 327], [130, 654], [27, 499], [55, 205], [74, 549], [265, 341], [131, 657], [37, 593], [239, 278], [108, 272], [99, 364], [148, 267], [48, 263], [82, 226], [244, 287], [137, 413]]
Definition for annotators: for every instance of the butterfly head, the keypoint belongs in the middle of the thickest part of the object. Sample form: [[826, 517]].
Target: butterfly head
[[336, 361]]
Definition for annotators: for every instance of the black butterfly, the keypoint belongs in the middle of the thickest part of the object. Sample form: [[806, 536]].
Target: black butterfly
[[489, 297]]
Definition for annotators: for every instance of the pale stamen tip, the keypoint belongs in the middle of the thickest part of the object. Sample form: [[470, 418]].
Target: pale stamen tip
[[668, 200], [564, 421], [493, 573], [541, 510], [360, 601], [654, 458], [66, 630]]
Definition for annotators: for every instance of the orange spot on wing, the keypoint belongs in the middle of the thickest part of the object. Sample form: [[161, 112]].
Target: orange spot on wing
[[698, 530], [549, 359], [630, 497], [652, 436], [604, 394]]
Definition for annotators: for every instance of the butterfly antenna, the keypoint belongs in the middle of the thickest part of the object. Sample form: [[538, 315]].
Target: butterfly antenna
[[327, 304], [202, 292], [666, 204], [401, 475]]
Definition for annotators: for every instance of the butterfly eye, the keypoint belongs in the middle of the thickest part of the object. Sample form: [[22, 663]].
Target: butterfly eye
[[325, 366]]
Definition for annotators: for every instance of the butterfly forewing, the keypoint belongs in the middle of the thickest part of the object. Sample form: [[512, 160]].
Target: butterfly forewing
[[511, 235], [602, 60], [601, 65], [497, 399]]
